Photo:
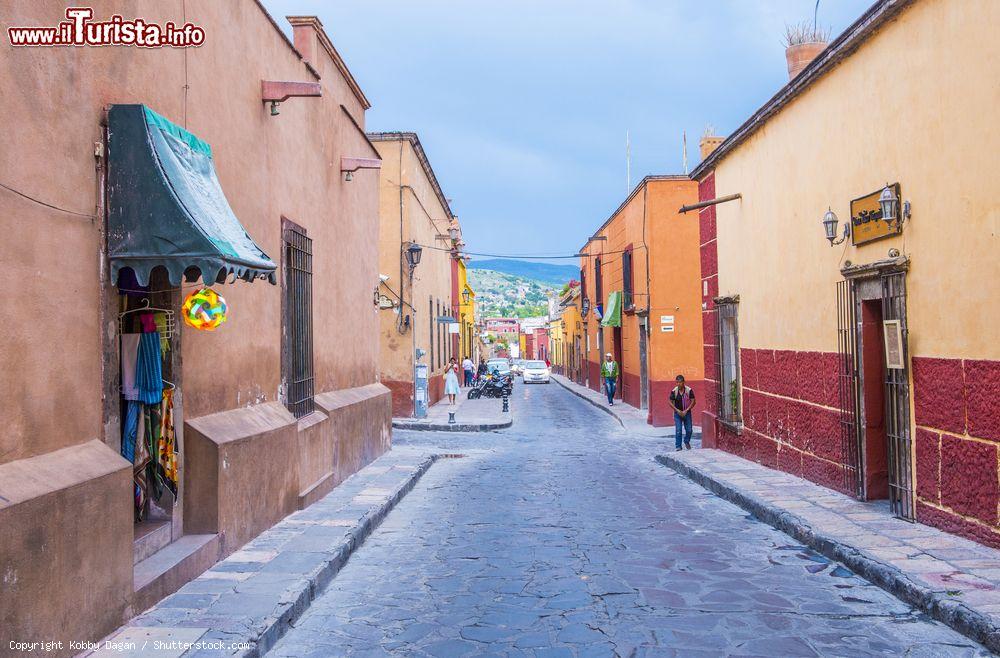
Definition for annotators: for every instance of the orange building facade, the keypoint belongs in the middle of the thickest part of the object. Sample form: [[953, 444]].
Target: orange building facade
[[649, 253]]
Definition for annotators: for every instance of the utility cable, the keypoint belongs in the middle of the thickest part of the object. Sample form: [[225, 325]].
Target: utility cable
[[528, 256], [47, 205]]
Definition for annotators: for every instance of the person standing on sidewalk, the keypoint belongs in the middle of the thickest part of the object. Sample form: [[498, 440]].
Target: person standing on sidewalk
[[682, 400], [609, 372], [469, 368], [451, 381]]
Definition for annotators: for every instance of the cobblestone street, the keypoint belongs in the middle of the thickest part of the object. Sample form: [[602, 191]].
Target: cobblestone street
[[562, 537]]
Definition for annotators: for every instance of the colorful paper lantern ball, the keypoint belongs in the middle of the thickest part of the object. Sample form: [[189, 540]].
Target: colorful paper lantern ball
[[204, 310]]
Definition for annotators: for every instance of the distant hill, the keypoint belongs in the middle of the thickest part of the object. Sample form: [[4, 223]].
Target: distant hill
[[506, 295], [545, 272]]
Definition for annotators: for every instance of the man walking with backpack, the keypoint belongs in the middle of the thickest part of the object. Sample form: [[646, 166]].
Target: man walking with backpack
[[682, 400], [609, 372]]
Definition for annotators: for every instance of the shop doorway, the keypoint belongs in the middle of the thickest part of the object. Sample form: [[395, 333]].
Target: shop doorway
[[874, 388], [149, 408]]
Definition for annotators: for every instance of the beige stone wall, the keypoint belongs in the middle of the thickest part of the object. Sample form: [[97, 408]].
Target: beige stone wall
[[424, 218], [913, 105]]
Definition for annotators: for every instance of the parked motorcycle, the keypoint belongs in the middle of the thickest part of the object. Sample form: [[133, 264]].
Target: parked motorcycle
[[492, 386]]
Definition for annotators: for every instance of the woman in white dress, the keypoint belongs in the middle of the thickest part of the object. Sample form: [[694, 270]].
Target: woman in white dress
[[451, 380]]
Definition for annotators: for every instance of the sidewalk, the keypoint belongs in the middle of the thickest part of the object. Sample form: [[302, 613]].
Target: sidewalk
[[245, 603], [482, 415], [954, 580], [631, 419]]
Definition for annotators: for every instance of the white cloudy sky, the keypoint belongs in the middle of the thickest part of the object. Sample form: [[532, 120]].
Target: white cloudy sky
[[523, 105]]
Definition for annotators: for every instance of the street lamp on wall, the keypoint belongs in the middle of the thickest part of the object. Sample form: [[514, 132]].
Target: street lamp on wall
[[889, 203], [830, 223], [413, 253], [466, 294]]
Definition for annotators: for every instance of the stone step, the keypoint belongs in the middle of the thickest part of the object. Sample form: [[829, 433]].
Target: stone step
[[165, 571], [150, 537]]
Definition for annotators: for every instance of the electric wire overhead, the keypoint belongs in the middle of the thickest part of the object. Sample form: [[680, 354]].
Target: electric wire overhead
[[533, 256]]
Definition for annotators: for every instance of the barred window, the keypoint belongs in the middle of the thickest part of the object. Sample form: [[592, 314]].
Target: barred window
[[627, 301], [598, 283], [730, 396], [297, 306]]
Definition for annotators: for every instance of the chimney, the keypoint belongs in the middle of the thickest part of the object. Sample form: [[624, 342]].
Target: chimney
[[305, 33], [709, 143]]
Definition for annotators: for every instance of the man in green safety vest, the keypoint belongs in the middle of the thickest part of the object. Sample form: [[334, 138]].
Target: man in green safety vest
[[610, 372]]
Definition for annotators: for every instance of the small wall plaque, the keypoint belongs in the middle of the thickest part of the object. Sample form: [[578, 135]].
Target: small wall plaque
[[893, 332]]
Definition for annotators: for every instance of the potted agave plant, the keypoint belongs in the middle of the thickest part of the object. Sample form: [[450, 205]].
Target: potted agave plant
[[803, 41]]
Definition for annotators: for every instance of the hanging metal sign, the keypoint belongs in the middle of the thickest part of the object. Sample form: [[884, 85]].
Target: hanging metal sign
[[867, 224]]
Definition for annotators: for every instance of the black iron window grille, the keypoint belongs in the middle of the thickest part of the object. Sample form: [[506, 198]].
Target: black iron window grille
[[598, 283], [730, 396], [430, 330], [627, 301], [298, 329]]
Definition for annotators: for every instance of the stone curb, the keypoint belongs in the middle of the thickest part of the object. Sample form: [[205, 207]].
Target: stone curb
[[316, 581], [456, 427], [262, 634], [967, 621]]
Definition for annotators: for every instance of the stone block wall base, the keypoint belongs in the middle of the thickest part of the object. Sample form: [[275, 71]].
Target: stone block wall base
[[66, 549]]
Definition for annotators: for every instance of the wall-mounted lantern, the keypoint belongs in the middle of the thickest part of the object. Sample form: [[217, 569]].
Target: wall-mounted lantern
[[889, 203], [466, 294], [830, 223], [413, 253]]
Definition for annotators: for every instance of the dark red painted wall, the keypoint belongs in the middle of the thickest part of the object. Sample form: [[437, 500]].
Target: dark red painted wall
[[956, 404]]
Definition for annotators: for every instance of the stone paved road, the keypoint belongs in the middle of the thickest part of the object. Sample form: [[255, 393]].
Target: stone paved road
[[562, 537]]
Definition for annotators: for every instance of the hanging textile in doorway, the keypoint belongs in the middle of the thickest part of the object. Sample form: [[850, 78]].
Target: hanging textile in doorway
[[130, 355], [167, 452], [154, 478], [149, 369], [142, 459], [130, 427], [161, 327]]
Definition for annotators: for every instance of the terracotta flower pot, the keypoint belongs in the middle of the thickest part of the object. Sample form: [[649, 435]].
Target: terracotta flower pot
[[799, 56]]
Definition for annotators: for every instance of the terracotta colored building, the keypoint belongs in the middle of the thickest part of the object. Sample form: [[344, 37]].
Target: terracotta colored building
[[166, 169], [414, 215], [852, 291], [647, 253]]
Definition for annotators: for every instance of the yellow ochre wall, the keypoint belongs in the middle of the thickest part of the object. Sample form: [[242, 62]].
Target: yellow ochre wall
[[910, 106]]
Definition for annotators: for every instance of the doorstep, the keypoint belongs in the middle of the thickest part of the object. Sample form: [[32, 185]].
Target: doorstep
[[953, 579], [169, 568]]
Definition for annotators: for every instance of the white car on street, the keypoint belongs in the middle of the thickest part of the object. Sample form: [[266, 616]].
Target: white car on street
[[536, 372]]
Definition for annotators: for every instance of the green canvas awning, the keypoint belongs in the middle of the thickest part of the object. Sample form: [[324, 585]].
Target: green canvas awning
[[166, 206], [613, 311]]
